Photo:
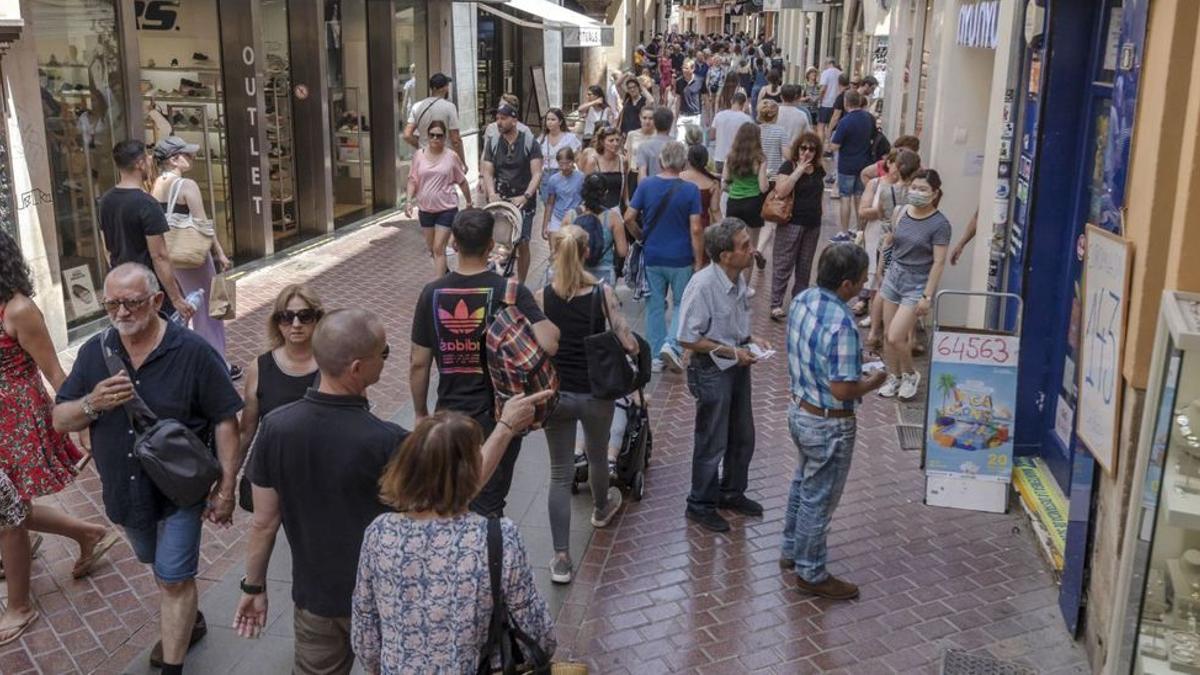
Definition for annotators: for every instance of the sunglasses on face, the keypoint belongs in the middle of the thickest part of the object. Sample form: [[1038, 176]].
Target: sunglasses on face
[[130, 305], [437, 135], [306, 316], [387, 351], [808, 148]]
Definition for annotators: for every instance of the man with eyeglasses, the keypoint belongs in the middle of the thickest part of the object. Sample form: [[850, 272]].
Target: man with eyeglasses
[[178, 376]]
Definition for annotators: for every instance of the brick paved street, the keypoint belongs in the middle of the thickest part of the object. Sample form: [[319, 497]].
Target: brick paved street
[[653, 594]]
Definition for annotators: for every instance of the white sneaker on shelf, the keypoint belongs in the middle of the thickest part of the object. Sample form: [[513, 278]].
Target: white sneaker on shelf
[[908, 386], [890, 386]]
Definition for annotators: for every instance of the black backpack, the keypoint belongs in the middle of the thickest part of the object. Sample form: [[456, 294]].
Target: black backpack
[[880, 145]]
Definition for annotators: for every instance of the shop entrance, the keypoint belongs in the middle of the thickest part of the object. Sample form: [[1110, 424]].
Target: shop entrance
[[349, 103]]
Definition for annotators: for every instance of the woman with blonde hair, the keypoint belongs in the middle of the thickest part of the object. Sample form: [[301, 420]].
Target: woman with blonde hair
[[744, 176], [580, 306], [284, 372]]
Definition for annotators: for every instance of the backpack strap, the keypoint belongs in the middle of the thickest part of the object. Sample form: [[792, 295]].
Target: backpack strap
[[510, 292], [495, 634]]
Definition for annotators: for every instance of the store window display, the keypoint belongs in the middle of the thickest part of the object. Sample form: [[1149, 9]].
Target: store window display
[[82, 89], [1164, 524], [412, 70], [346, 53], [278, 119]]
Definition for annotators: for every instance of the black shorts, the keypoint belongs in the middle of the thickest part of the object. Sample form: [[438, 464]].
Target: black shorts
[[748, 209], [438, 218], [824, 115]]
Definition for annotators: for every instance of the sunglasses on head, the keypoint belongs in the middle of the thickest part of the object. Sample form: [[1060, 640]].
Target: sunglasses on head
[[306, 316]]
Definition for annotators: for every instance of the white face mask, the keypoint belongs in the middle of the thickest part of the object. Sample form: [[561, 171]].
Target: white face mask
[[919, 199]]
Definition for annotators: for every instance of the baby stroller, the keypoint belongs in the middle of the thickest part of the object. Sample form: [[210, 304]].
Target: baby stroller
[[506, 234]]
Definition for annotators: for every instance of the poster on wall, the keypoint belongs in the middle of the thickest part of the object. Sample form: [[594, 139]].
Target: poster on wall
[[972, 398], [81, 290], [1106, 267]]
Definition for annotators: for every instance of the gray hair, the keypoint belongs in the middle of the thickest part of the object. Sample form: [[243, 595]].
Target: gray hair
[[718, 237], [136, 269], [673, 156]]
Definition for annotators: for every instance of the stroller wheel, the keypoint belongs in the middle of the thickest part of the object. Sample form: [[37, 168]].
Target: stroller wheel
[[638, 486]]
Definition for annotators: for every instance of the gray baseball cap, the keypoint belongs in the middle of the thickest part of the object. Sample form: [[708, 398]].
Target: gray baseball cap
[[174, 145]]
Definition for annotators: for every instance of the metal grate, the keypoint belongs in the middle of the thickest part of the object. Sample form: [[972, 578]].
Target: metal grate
[[958, 662], [910, 436]]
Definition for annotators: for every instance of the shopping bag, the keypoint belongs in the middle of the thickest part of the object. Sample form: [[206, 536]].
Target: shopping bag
[[222, 298]]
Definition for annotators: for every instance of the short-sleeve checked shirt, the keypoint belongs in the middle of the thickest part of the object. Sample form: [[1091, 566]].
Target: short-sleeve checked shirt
[[823, 346]]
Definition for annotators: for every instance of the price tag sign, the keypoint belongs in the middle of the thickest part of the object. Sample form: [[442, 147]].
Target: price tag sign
[[972, 402]]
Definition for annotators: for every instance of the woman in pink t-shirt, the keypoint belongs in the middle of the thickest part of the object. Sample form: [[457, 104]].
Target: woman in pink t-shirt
[[431, 181]]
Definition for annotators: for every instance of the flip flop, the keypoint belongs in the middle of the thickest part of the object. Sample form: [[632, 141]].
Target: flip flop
[[83, 566], [20, 629]]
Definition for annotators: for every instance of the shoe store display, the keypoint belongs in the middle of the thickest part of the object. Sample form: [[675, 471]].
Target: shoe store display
[[200, 56], [174, 63]]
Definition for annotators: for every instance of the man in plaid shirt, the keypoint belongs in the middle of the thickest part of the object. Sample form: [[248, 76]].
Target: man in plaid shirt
[[825, 365]]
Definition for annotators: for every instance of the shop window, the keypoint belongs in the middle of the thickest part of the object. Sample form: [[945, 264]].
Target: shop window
[[82, 89], [277, 117], [346, 54], [412, 70], [182, 96]]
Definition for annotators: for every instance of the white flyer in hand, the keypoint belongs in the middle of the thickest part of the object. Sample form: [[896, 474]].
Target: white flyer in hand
[[759, 353]]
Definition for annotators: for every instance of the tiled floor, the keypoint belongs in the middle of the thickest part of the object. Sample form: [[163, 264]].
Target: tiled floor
[[654, 594]]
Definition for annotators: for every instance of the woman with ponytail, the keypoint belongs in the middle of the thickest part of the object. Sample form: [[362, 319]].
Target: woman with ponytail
[[580, 306]]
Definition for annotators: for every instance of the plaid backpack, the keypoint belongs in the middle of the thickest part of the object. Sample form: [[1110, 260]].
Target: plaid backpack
[[516, 363]]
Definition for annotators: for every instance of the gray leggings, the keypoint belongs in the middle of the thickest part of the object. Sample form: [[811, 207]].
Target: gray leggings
[[596, 417]]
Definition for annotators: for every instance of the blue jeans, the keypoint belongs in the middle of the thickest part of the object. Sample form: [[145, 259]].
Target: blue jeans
[[172, 545], [660, 278], [826, 446]]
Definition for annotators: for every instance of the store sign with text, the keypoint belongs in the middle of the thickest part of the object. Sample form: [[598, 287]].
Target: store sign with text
[[972, 399], [588, 36]]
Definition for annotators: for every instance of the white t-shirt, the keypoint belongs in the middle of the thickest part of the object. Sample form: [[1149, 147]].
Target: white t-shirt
[[829, 80], [794, 120], [432, 108], [727, 122]]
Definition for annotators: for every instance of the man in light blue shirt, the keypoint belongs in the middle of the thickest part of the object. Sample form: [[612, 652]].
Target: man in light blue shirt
[[825, 366]]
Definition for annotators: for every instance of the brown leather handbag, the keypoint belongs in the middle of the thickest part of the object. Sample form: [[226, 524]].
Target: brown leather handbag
[[777, 209]]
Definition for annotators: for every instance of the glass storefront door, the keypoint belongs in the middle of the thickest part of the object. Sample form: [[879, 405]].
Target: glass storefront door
[[412, 74], [277, 97], [346, 54], [82, 89]]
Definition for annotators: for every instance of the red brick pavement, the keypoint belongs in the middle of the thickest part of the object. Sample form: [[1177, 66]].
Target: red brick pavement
[[657, 594], [653, 593]]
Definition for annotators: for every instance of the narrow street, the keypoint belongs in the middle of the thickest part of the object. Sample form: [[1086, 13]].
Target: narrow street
[[653, 593]]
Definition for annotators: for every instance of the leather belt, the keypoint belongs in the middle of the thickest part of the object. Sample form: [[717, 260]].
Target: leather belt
[[821, 412]]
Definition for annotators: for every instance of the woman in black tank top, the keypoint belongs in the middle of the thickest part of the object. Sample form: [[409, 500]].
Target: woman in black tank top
[[282, 374], [608, 163], [573, 303]]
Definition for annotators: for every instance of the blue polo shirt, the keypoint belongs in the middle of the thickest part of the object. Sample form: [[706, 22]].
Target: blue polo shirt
[[667, 226], [853, 136], [183, 379]]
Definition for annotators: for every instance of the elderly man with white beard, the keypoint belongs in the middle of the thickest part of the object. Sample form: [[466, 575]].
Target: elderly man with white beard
[[180, 377]]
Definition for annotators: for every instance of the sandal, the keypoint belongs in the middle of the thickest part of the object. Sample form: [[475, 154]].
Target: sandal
[[20, 628], [777, 314], [83, 566]]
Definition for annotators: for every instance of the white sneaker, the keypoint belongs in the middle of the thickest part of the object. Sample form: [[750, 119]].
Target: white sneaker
[[890, 385], [656, 366], [865, 322], [670, 359], [908, 386]]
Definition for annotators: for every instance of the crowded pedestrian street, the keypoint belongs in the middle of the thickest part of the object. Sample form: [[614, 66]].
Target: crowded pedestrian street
[[599, 336]]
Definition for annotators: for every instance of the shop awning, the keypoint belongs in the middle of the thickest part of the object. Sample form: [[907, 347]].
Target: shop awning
[[579, 30]]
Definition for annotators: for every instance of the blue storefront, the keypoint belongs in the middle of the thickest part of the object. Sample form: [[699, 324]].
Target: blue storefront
[[1076, 103]]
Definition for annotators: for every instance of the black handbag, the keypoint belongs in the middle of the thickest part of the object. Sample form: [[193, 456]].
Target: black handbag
[[518, 652], [609, 372], [179, 464]]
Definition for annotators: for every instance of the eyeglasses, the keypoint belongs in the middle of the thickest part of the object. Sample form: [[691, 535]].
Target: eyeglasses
[[437, 135], [387, 351], [130, 305], [306, 316]]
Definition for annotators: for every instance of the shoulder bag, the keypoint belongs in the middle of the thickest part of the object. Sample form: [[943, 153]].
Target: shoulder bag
[[778, 209], [635, 269], [610, 373], [189, 239], [179, 464], [518, 653]]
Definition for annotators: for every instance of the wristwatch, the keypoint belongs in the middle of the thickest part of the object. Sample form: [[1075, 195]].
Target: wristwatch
[[250, 589], [89, 409]]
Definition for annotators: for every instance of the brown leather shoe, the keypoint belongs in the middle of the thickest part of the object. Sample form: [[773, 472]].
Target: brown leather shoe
[[832, 588]]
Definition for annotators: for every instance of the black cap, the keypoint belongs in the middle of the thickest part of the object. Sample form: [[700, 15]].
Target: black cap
[[439, 80], [506, 110]]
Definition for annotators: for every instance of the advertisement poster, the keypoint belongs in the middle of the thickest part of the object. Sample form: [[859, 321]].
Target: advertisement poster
[[81, 292], [972, 396]]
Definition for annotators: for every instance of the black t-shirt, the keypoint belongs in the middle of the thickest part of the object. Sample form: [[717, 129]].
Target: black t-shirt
[[127, 217], [689, 95], [677, 61], [324, 455], [839, 103], [451, 319], [807, 194], [631, 114], [511, 163]]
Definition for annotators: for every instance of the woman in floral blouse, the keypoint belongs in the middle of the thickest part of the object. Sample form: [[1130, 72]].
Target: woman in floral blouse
[[423, 598]]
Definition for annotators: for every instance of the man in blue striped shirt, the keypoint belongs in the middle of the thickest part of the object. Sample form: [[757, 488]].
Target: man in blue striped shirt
[[825, 365]]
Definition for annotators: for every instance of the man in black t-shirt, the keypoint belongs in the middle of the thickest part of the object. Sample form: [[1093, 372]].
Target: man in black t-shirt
[[689, 93], [511, 169], [449, 326], [133, 224]]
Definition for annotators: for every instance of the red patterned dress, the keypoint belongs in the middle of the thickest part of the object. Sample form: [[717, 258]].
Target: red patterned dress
[[39, 460]]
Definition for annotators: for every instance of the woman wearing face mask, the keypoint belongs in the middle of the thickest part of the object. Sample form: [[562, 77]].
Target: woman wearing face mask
[[918, 256], [563, 194], [182, 195], [879, 203]]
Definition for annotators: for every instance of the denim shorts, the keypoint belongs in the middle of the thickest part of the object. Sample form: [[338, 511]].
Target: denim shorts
[[850, 185], [440, 218], [902, 286], [172, 545]]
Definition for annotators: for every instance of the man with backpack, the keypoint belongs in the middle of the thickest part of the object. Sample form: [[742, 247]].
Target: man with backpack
[[512, 170], [450, 325]]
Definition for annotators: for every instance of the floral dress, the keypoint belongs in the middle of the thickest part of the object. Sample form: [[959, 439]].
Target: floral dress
[[423, 598], [37, 459]]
